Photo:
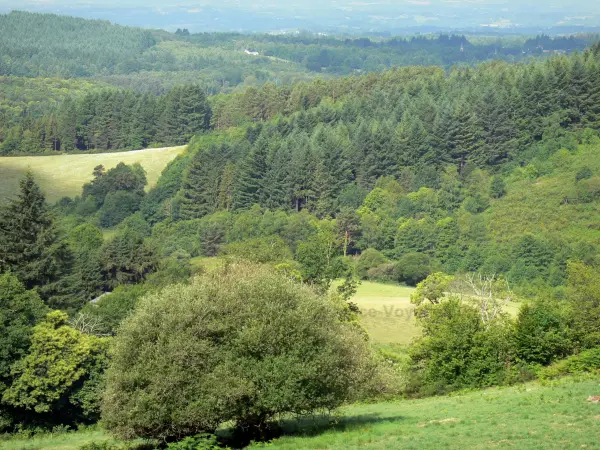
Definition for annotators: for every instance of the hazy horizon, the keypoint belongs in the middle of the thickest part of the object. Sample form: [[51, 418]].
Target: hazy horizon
[[344, 16]]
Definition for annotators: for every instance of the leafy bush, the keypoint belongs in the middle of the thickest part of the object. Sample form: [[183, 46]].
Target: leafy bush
[[588, 190], [202, 441], [587, 361], [383, 272], [368, 260], [270, 249], [412, 268], [542, 333], [242, 344], [61, 363], [458, 350], [112, 308]]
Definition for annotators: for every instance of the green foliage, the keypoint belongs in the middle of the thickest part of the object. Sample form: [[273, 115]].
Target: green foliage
[[202, 441], [587, 361], [369, 259], [125, 178], [111, 309], [588, 190], [117, 206], [319, 260], [584, 298], [30, 243], [542, 332], [270, 249], [585, 173], [128, 258], [458, 350], [242, 344], [432, 289], [412, 268], [60, 362], [20, 310]]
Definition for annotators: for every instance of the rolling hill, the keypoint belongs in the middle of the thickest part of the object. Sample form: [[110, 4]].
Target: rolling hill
[[64, 175]]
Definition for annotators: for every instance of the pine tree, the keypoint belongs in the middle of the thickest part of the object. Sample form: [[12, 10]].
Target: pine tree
[[200, 190], [464, 136], [251, 175], [30, 245], [226, 186], [494, 121]]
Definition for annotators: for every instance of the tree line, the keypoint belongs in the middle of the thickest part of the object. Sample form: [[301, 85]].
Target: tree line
[[111, 120]]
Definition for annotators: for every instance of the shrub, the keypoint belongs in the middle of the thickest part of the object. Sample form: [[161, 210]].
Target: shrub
[[62, 372], [587, 361], [542, 333], [383, 272], [110, 310], [584, 173], [241, 344], [412, 268], [271, 249], [368, 260], [588, 190], [458, 350], [203, 441]]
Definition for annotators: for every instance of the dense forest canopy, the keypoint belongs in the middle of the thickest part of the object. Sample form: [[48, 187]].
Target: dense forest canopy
[[58, 71]]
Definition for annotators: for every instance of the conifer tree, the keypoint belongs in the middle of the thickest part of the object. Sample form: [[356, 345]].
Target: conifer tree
[[251, 176], [30, 245], [200, 190]]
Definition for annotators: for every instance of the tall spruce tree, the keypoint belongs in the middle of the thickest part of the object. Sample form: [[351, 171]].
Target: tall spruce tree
[[251, 175], [30, 245], [200, 190]]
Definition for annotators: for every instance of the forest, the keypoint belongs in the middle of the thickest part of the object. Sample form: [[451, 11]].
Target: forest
[[224, 294], [53, 74]]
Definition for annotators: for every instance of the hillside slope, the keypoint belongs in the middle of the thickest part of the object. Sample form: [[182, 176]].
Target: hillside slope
[[531, 416], [64, 175]]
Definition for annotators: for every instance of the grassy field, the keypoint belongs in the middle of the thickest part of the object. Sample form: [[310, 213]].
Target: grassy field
[[530, 416], [64, 175], [387, 313]]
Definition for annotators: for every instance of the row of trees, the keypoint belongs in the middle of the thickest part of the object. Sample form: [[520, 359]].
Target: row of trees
[[469, 340], [112, 120], [330, 151]]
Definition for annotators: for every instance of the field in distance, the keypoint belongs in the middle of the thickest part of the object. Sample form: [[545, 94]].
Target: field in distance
[[64, 175], [530, 416]]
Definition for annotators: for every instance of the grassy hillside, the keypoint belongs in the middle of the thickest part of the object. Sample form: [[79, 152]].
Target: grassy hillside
[[64, 175], [531, 416], [549, 203]]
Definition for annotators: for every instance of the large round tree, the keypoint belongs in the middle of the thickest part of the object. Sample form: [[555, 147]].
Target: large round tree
[[243, 344]]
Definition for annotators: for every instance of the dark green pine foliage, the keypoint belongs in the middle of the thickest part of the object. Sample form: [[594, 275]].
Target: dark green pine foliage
[[253, 169], [592, 114], [464, 136], [580, 92], [185, 112], [301, 175], [494, 119], [30, 245], [276, 188], [200, 189], [381, 156]]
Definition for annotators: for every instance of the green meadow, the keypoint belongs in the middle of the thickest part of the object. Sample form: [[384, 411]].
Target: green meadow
[[530, 416], [64, 175]]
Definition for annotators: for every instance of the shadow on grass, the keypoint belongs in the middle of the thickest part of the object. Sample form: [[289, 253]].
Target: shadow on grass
[[305, 426]]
